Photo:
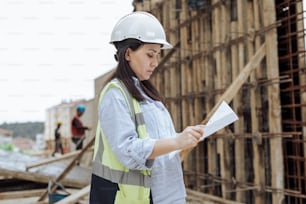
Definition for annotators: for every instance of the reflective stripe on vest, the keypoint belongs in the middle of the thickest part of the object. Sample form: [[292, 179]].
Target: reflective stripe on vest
[[108, 166]]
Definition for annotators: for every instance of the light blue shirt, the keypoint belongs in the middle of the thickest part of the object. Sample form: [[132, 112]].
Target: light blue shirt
[[167, 185]]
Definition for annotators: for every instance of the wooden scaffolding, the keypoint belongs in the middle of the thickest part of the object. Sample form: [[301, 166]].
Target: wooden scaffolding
[[250, 53]]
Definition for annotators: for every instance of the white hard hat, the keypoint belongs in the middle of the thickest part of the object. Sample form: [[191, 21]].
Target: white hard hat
[[142, 26]]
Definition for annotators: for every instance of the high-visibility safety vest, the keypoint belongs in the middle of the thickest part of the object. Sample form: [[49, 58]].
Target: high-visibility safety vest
[[134, 185]]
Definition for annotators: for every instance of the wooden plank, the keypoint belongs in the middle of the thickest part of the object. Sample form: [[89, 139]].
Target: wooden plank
[[54, 159], [20, 194], [30, 200], [235, 86], [44, 178], [73, 198]]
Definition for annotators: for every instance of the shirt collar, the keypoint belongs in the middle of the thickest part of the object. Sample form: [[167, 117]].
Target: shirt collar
[[136, 82], [138, 86]]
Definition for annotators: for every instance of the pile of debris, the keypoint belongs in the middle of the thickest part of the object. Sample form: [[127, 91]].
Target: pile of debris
[[33, 179]]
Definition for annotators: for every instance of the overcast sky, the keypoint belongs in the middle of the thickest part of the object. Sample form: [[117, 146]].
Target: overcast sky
[[51, 51]]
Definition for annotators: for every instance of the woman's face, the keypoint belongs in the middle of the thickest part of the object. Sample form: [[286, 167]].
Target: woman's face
[[144, 60]]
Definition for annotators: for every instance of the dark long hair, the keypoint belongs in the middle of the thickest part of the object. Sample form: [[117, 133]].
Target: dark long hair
[[125, 73]]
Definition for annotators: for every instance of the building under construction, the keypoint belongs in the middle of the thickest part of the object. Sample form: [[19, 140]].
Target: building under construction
[[248, 53], [251, 54]]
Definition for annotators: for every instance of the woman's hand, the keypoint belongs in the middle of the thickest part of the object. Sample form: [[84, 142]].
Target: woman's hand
[[190, 137]]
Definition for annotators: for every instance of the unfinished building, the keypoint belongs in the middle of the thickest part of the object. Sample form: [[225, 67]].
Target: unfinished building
[[251, 54]]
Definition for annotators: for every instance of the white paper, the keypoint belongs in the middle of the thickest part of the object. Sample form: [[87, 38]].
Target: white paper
[[223, 116]]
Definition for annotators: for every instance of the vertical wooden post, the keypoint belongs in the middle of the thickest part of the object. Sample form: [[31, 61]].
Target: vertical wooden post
[[302, 63], [258, 160], [225, 80], [234, 53], [274, 114], [195, 89], [184, 75], [216, 56], [209, 85], [239, 125], [174, 86], [146, 5]]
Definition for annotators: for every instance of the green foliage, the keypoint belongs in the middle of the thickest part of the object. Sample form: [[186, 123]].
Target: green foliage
[[26, 130], [7, 147]]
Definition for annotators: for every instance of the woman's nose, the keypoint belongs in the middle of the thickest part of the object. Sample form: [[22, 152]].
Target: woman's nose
[[154, 62]]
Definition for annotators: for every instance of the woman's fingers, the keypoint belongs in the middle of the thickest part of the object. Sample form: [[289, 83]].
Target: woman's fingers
[[196, 131]]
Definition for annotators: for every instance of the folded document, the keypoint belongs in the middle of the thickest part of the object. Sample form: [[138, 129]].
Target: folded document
[[223, 116]]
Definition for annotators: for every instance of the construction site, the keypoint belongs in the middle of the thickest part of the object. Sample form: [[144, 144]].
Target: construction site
[[248, 53]]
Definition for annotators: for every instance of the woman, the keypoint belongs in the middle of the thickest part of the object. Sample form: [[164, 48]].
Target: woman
[[135, 132]]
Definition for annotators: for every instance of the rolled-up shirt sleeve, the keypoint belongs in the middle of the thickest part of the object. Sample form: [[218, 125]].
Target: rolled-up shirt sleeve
[[121, 134]]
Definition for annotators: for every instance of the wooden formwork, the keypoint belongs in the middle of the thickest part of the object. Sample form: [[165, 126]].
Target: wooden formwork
[[214, 42]]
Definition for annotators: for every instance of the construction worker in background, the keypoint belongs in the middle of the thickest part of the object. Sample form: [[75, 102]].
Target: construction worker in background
[[135, 133], [57, 137], [77, 127]]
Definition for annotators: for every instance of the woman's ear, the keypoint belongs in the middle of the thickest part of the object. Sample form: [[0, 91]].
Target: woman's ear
[[127, 54]]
